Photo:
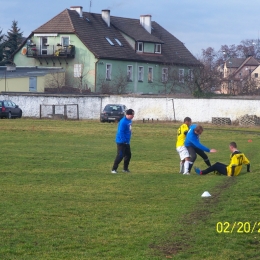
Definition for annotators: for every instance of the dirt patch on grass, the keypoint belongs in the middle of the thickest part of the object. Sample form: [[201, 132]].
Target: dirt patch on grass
[[202, 212]]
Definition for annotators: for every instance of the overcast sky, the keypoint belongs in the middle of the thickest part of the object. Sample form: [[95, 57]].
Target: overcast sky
[[197, 23]]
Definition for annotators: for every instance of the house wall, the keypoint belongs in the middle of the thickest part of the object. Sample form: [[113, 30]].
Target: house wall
[[119, 68], [136, 86], [149, 47], [244, 72], [21, 84], [257, 70], [200, 110]]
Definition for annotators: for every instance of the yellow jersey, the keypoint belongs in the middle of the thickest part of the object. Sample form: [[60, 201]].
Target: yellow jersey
[[181, 135], [237, 159]]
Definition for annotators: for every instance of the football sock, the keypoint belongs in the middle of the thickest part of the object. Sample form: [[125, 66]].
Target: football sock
[[207, 162], [186, 166], [190, 165]]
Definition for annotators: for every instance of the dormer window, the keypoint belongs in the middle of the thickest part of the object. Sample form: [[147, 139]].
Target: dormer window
[[140, 47], [110, 42], [158, 48]]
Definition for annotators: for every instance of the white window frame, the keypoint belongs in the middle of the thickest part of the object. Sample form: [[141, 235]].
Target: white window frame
[[44, 46], [140, 46], [64, 37], [164, 74], [150, 74], [108, 71], [118, 42], [110, 42], [181, 75], [140, 73], [77, 70], [190, 75], [158, 48], [129, 73]]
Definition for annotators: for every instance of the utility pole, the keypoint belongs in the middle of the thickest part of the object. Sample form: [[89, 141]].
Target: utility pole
[[5, 80]]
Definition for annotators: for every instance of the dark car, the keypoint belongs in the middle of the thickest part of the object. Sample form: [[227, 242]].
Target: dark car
[[9, 109], [113, 113]]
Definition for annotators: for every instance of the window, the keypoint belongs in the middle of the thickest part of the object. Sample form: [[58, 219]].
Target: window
[[108, 71], [65, 41], [256, 75], [110, 42], [158, 48], [150, 74], [164, 74], [140, 73], [77, 70], [140, 46], [181, 75], [118, 42], [129, 73], [44, 45], [190, 75]]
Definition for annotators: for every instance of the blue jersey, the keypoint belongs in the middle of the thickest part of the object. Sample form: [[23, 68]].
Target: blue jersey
[[124, 131], [193, 140]]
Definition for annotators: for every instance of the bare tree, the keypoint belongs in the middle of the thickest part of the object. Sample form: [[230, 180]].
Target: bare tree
[[105, 87], [80, 75], [55, 80], [208, 77], [247, 48], [118, 85], [249, 86], [173, 82]]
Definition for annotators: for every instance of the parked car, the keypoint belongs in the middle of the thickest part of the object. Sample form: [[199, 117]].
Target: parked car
[[9, 109], [113, 113]]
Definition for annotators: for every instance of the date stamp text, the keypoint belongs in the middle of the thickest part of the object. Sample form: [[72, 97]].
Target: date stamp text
[[238, 227]]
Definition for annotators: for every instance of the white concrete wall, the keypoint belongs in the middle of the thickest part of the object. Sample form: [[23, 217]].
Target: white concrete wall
[[200, 110]]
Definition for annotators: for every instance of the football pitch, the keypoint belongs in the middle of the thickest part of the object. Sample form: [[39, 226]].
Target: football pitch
[[59, 200]]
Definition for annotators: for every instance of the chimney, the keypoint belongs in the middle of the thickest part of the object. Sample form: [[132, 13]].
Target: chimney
[[106, 17], [145, 21], [78, 9]]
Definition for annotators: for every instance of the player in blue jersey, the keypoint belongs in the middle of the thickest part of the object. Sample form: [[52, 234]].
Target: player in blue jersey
[[192, 142], [123, 137]]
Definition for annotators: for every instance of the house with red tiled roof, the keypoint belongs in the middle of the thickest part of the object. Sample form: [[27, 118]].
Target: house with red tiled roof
[[237, 72], [107, 53]]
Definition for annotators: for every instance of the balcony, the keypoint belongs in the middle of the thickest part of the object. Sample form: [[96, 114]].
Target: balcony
[[52, 52]]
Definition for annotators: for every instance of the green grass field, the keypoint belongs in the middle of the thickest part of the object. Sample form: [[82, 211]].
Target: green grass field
[[58, 199]]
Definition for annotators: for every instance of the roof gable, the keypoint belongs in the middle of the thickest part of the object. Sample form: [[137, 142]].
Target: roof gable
[[250, 61], [61, 23]]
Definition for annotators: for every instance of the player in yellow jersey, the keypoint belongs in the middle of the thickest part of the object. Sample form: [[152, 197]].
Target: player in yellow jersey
[[180, 148], [237, 159]]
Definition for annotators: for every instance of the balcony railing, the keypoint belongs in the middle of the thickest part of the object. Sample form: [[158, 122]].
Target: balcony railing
[[51, 51]]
